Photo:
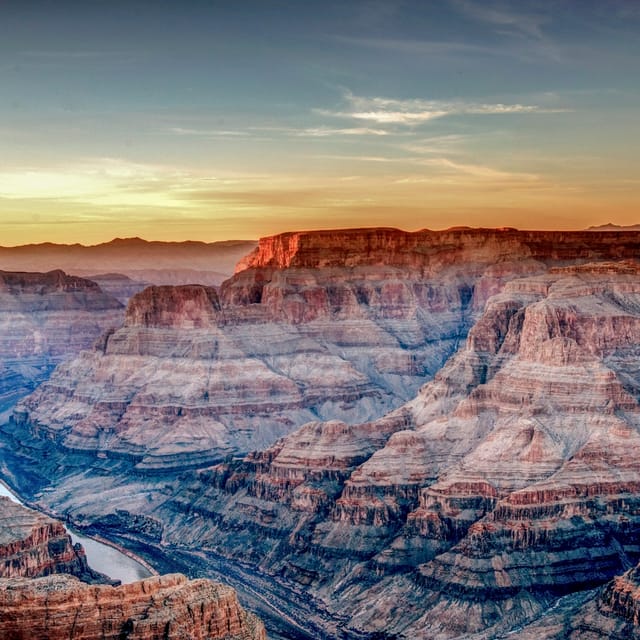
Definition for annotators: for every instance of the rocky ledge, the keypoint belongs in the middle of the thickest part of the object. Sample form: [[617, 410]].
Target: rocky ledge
[[44, 593], [34, 545], [169, 607]]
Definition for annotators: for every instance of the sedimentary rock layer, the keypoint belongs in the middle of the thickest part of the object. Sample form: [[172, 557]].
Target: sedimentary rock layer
[[512, 479], [34, 545], [169, 607], [44, 319]]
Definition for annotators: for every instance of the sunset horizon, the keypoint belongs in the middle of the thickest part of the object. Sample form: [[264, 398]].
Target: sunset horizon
[[210, 122]]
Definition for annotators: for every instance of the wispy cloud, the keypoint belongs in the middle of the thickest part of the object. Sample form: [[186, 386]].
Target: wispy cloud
[[524, 27], [304, 132], [417, 111], [502, 17], [324, 132], [421, 47], [479, 171], [208, 133]]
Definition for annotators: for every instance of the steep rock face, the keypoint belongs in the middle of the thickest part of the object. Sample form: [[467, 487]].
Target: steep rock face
[[34, 545], [169, 607], [512, 479], [320, 325], [44, 319], [189, 306]]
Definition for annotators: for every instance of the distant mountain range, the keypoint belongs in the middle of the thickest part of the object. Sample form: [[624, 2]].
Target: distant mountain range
[[149, 261], [614, 227]]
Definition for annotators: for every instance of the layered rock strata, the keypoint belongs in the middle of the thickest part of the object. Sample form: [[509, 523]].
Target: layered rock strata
[[319, 325], [511, 480], [42, 597], [169, 607], [46, 318], [33, 545]]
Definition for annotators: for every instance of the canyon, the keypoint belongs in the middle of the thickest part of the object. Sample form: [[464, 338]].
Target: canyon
[[47, 590], [425, 435]]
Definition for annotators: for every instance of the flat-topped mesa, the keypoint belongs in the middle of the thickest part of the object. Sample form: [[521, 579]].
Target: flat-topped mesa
[[388, 246], [52, 291], [169, 607], [34, 545], [33, 282], [174, 307]]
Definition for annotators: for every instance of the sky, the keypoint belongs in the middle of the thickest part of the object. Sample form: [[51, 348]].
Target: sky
[[214, 120]]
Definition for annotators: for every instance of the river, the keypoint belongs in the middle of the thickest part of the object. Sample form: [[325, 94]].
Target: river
[[101, 557]]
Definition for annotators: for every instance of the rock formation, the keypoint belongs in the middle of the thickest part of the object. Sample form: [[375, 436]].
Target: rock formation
[[512, 479], [509, 480], [46, 318], [33, 545], [42, 598], [169, 607]]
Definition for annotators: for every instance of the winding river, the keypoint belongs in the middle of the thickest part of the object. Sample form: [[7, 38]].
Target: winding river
[[101, 557]]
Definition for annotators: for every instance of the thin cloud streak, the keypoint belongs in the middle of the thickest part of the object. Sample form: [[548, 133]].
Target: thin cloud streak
[[308, 132], [417, 111], [502, 18]]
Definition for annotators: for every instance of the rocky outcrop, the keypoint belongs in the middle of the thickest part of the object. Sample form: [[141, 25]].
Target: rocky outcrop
[[46, 318], [33, 545], [169, 607], [42, 597], [189, 306]]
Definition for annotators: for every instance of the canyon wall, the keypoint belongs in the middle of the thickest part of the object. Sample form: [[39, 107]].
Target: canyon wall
[[46, 318], [33, 545], [169, 607], [314, 326]]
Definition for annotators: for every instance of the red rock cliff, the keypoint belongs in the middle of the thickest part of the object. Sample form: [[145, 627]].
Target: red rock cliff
[[168, 607]]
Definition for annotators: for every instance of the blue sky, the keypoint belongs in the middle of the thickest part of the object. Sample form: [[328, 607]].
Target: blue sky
[[215, 120]]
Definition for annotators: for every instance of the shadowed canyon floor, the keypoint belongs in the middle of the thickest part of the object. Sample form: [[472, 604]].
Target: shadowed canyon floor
[[479, 500]]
